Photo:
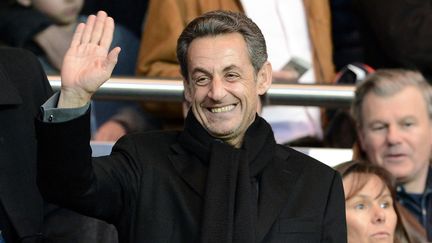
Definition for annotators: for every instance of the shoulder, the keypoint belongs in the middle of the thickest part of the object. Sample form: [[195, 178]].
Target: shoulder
[[16, 55], [148, 142], [308, 165], [20, 62], [21, 70]]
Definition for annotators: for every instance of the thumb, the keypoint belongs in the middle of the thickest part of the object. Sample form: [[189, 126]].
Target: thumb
[[112, 58]]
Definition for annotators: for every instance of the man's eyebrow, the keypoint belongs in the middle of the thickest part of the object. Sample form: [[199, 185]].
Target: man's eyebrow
[[205, 71], [200, 70], [230, 67]]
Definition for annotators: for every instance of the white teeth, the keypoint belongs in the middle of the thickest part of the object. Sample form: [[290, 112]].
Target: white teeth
[[222, 109]]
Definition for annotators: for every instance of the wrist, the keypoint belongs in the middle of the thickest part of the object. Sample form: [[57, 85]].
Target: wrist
[[72, 100]]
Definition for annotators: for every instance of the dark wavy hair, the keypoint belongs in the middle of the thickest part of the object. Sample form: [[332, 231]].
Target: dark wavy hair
[[220, 22]]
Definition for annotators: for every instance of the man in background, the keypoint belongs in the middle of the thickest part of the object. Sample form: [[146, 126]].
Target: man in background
[[393, 112]]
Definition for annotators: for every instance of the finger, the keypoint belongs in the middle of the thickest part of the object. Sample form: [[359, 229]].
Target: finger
[[76, 39], [88, 29], [112, 58], [108, 32], [98, 28]]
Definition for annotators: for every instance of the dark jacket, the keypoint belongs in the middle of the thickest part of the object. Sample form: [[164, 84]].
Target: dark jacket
[[152, 189], [19, 25], [419, 205], [23, 213], [397, 33]]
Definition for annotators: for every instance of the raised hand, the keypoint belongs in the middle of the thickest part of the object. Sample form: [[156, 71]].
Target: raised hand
[[88, 63]]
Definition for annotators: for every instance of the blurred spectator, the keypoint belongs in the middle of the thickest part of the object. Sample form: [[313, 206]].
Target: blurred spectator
[[66, 15], [46, 28], [129, 13], [397, 33], [24, 216], [393, 114], [372, 211], [340, 129], [346, 33], [298, 40]]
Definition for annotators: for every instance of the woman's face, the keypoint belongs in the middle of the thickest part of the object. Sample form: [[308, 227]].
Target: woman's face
[[370, 214]]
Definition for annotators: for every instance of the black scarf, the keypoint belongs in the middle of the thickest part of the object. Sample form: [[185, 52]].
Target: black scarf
[[231, 197]]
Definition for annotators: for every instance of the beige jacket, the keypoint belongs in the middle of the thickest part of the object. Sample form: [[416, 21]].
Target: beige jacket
[[167, 18]]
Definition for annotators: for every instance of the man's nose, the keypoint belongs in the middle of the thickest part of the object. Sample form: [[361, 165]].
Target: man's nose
[[217, 89], [393, 135]]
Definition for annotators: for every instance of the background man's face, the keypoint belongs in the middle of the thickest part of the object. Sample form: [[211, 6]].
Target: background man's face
[[222, 88], [61, 11], [396, 133]]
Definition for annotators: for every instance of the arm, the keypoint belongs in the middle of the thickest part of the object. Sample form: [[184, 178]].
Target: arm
[[66, 174]]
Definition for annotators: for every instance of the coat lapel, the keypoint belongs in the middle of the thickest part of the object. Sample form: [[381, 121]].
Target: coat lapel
[[276, 183], [190, 169], [274, 194]]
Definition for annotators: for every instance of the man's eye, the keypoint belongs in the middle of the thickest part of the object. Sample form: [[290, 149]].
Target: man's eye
[[231, 76], [408, 124], [200, 81], [378, 127]]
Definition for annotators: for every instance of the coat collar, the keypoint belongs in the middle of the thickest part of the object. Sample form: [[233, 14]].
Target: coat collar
[[277, 181]]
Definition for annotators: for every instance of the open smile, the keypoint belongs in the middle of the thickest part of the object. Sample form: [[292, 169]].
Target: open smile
[[222, 109]]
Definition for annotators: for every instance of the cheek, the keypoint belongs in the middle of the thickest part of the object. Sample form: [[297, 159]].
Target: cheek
[[373, 143], [198, 95], [392, 219], [421, 137], [356, 224]]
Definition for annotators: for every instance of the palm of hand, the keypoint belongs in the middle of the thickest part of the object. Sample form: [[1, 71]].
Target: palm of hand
[[86, 66], [88, 63]]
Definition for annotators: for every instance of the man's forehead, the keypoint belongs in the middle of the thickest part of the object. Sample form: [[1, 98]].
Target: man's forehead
[[224, 51], [396, 97], [405, 103]]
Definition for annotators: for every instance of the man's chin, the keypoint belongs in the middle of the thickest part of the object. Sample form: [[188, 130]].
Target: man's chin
[[401, 177]]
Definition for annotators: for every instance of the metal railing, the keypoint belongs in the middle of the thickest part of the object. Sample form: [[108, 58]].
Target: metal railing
[[140, 88]]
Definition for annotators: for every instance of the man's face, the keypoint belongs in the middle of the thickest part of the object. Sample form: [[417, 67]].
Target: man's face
[[396, 133], [61, 11], [223, 88]]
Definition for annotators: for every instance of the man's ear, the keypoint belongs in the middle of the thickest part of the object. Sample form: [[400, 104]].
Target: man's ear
[[24, 3], [264, 78]]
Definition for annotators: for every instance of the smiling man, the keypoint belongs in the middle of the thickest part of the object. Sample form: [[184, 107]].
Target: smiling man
[[393, 111], [222, 179]]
